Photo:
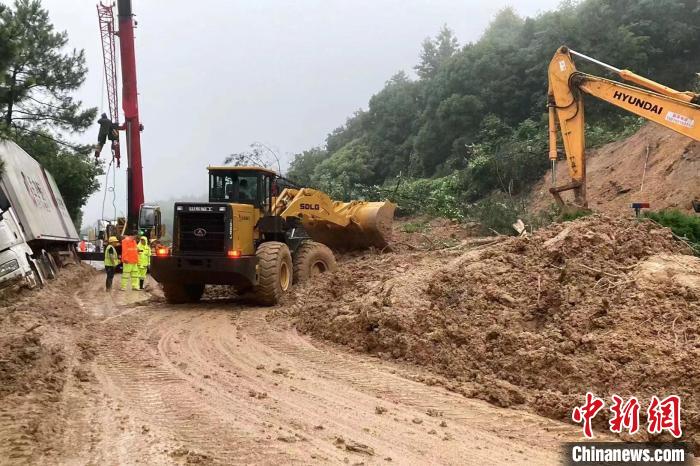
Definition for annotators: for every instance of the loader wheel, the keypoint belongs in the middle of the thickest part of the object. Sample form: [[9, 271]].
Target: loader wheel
[[274, 272], [179, 293], [311, 259]]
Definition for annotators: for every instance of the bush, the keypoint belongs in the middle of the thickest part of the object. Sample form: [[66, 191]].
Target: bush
[[439, 197], [681, 224]]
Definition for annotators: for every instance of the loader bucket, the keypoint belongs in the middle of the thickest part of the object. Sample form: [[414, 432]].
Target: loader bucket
[[369, 224]]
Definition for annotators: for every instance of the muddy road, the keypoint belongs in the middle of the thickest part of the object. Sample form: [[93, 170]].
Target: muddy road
[[223, 383]]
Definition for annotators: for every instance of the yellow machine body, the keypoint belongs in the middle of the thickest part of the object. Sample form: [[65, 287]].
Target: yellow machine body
[[676, 110], [338, 225]]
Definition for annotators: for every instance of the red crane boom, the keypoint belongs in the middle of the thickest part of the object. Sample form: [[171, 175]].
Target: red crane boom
[[130, 105], [107, 33]]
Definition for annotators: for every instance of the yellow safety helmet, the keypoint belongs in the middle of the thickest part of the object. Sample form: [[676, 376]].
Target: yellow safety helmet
[[113, 239], [143, 238]]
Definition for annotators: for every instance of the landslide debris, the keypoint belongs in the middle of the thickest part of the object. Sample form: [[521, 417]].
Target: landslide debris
[[614, 173], [35, 362], [601, 304]]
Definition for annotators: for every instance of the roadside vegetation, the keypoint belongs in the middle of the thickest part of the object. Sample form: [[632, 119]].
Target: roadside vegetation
[[684, 226], [465, 135], [38, 74]]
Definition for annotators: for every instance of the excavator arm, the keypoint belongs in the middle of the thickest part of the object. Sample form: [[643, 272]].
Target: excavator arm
[[676, 110]]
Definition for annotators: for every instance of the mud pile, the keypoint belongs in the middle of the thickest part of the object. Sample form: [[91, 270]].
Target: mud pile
[[615, 172], [600, 304], [33, 354]]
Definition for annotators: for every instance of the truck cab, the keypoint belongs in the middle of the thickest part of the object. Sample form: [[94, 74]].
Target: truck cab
[[16, 263]]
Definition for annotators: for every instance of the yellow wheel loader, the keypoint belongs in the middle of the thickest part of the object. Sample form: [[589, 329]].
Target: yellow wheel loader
[[260, 241]]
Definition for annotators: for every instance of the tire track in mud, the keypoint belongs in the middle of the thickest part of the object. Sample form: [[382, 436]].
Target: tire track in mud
[[177, 408], [217, 383]]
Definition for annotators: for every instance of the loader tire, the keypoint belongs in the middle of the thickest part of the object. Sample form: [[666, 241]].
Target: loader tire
[[311, 259], [275, 272], [179, 293]]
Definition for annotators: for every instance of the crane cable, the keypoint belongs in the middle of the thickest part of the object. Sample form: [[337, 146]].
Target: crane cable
[[107, 187]]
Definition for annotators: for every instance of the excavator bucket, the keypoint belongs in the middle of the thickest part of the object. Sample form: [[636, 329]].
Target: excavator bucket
[[368, 224]]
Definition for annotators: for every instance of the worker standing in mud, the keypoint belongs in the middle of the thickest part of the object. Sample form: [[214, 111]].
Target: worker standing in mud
[[111, 261], [130, 259], [144, 250]]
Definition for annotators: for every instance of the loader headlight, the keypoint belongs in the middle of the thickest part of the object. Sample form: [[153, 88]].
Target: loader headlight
[[9, 266]]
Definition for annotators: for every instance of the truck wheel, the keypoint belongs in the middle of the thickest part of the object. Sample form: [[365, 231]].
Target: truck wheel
[[49, 265], [36, 278], [179, 293], [311, 259], [275, 272]]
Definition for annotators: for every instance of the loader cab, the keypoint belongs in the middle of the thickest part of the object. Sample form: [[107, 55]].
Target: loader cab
[[242, 185]]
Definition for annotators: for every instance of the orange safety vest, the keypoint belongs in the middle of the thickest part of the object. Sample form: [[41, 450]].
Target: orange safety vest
[[83, 247], [130, 254]]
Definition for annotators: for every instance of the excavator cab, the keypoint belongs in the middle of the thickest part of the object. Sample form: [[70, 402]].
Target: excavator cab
[[150, 221]]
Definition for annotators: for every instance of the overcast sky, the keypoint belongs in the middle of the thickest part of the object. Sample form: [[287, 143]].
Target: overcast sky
[[217, 75]]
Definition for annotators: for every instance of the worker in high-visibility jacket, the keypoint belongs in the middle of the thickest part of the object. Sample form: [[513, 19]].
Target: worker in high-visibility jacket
[[144, 259], [111, 260], [130, 261]]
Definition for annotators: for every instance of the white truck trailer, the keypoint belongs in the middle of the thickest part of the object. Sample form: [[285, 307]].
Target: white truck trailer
[[37, 234]]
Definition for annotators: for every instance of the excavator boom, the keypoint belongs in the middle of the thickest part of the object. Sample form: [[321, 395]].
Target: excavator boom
[[676, 110]]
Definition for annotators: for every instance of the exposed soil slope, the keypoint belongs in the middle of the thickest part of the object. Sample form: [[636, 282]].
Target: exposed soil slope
[[601, 304], [615, 171]]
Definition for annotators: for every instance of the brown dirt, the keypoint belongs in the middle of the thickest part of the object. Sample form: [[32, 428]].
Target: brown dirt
[[614, 173], [220, 382], [602, 304], [37, 344]]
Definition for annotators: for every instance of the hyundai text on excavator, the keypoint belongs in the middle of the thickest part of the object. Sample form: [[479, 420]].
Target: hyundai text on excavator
[[679, 111], [260, 241]]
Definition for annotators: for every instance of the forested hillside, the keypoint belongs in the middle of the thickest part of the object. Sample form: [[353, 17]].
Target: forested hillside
[[472, 121]]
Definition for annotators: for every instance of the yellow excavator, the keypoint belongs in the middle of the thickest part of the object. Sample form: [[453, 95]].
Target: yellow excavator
[[259, 240], [677, 110]]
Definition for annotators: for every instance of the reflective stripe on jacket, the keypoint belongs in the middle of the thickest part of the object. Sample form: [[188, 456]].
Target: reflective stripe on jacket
[[111, 256], [144, 255]]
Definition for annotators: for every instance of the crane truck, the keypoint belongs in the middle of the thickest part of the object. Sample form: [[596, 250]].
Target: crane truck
[[260, 241], [677, 110], [141, 217]]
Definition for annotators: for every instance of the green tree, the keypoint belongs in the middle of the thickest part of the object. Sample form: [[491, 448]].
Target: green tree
[[435, 52], [347, 167], [480, 109], [73, 168], [302, 168], [392, 117], [40, 75], [37, 77]]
